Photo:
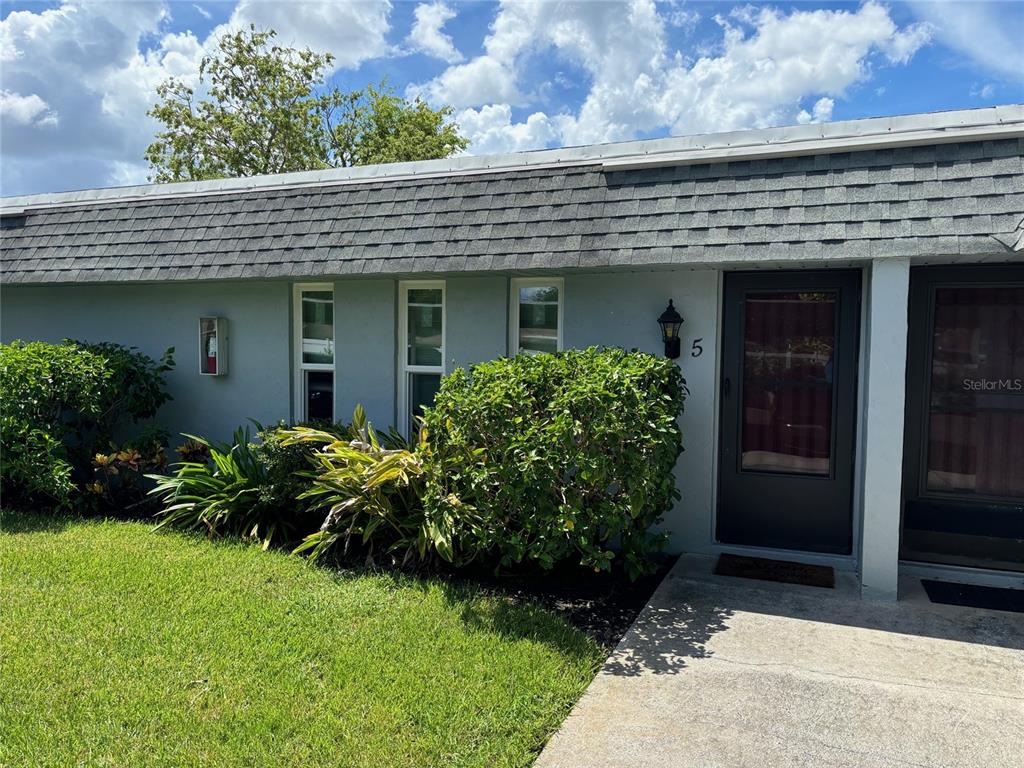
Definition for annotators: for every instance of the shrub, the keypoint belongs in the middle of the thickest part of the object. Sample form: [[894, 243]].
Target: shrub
[[135, 388], [559, 456], [119, 475], [371, 488], [34, 466], [62, 404], [45, 389], [288, 466]]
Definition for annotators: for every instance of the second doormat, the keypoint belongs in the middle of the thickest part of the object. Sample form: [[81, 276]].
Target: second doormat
[[784, 571], [974, 595]]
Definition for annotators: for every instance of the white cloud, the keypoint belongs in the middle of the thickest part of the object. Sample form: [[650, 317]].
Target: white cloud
[[73, 58], [989, 33], [483, 79], [491, 130], [774, 60], [26, 110], [125, 174], [129, 91], [765, 66], [903, 44], [353, 31], [986, 91], [202, 11], [678, 17], [427, 35], [87, 72], [821, 112]]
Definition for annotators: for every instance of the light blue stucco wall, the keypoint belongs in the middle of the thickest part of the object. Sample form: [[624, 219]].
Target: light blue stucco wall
[[365, 357], [614, 309], [477, 315], [154, 317]]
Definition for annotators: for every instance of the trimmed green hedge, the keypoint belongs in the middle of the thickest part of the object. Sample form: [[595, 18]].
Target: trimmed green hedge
[[61, 406], [557, 456]]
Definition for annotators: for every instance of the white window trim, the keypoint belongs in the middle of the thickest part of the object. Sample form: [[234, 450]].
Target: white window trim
[[515, 284], [403, 367], [298, 366]]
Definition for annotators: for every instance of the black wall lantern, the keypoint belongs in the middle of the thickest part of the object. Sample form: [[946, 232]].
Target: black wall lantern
[[670, 320]]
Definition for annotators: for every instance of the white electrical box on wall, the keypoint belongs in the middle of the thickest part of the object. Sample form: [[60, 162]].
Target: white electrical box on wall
[[213, 346]]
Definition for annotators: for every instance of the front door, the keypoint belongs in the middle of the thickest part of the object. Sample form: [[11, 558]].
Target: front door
[[963, 455], [788, 407]]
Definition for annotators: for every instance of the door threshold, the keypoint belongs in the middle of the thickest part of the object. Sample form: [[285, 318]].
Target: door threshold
[[959, 574], [839, 562]]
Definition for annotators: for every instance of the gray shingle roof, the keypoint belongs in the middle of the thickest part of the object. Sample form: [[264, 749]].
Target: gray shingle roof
[[920, 201]]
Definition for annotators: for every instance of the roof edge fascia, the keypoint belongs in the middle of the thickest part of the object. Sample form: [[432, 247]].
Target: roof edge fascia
[[822, 146]]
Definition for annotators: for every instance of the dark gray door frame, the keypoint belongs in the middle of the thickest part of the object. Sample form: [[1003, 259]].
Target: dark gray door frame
[[775, 509]]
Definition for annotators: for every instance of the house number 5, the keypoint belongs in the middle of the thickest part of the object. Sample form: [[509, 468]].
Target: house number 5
[[697, 350]]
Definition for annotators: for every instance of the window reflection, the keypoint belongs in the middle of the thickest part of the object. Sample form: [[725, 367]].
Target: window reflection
[[788, 348], [976, 406], [425, 326], [538, 319], [318, 326]]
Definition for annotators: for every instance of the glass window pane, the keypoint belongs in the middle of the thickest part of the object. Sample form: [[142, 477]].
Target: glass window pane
[[538, 319], [318, 326], [424, 321], [976, 409], [319, 395], [788, 344], [422, 389]]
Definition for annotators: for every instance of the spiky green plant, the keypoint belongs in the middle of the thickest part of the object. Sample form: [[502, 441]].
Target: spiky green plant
[[372, 489], [222, 496]]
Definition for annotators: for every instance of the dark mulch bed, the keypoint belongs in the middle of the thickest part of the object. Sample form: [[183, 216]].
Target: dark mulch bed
[[603, 605]]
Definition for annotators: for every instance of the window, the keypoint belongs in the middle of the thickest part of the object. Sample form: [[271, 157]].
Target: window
[[421, 347], [314, 352], [976, 405], [535, 325]]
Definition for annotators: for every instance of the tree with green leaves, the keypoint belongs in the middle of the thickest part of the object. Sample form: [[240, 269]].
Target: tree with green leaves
[[268, 110]]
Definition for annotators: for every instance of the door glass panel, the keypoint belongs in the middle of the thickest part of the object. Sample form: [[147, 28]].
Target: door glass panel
[[538, 319], [425, 310], [788, 347], [976, 407], [318, 327]]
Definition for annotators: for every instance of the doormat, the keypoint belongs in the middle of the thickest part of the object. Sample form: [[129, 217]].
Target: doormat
[[974, 596], [784, 571]]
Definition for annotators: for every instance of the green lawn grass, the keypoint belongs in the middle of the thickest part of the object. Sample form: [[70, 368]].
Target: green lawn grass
[[123, 647]]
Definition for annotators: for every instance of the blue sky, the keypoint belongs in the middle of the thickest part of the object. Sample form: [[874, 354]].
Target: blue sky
[[76, 78]]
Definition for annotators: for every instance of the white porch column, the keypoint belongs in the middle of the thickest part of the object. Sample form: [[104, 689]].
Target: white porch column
[[883, 426]]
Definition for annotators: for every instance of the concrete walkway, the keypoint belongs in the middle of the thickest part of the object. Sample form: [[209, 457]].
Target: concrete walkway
[[729, 672]]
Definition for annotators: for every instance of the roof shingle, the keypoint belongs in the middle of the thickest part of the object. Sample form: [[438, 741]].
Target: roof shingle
[[914, 201]]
